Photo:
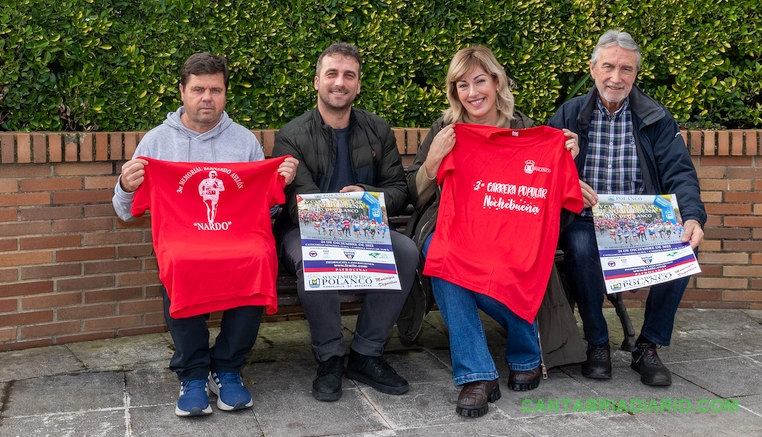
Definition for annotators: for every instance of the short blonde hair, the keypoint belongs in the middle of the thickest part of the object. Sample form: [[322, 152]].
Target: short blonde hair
[[464, 61]]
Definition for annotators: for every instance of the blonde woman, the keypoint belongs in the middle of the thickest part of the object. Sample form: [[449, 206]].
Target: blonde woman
[[479, 92]]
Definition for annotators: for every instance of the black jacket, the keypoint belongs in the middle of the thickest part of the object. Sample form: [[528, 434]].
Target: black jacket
[[376, 161], [664, 160]]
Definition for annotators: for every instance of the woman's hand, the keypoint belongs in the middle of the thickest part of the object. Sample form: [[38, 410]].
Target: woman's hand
[[441, 146], [589, 195], [572, 142]]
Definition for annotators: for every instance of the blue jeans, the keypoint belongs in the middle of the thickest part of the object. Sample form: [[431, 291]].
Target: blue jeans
[[585, 277], [471, 358]]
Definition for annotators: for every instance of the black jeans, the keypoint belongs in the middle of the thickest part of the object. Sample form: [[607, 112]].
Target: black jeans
[[194, 359], [379, 311]]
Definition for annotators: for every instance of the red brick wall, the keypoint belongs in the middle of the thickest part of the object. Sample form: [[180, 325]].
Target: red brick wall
[[71, 271]]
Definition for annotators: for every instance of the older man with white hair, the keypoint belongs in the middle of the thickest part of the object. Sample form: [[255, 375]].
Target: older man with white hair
[[629, 144]]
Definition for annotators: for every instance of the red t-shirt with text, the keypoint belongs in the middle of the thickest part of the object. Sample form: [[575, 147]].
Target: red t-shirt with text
[[498, 222], [212, 232]]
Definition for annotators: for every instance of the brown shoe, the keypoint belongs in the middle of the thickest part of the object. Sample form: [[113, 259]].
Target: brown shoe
[[474, 398], [524, 380]]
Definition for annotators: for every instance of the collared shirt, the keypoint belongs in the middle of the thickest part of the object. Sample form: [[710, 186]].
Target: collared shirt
[[611, 165]]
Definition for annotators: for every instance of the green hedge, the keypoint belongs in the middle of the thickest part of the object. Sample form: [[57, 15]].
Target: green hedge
[[113, 65]]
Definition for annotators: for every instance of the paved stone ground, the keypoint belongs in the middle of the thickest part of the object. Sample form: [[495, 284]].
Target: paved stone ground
[[122, 387]]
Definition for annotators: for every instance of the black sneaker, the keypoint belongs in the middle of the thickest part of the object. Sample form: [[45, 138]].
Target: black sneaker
[[375, 372], [327, 384], [646, 361], [598, 363]]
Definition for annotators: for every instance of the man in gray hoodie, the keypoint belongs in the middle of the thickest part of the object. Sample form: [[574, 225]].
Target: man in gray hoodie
[[201, 131]]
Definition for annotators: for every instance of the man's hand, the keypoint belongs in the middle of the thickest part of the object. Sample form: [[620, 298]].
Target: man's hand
[[588, 194], [693, 233], [287, 169], [350, 188], [133, 173]]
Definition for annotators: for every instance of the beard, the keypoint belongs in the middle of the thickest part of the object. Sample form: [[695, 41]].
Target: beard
[[614, 96], [336, 103]]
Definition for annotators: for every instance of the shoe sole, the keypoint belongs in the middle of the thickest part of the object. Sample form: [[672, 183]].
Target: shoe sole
[[481, 410], [380, 387], [222, 405], [239, 406], [597, 375], [524, 386], [326, 397], [665, 383], [194, 412]]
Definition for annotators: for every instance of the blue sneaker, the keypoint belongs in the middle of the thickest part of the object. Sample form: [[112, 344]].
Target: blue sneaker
[[194, 400], [231, 394]]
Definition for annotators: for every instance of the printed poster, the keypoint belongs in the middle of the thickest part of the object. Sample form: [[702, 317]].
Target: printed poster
[[639, 241], [345, 242]]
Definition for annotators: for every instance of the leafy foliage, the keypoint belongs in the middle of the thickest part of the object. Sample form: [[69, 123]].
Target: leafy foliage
[[113, 65]]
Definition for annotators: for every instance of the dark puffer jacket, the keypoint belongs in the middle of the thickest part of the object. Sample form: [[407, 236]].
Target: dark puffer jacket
[[664, 160], [376, 161]]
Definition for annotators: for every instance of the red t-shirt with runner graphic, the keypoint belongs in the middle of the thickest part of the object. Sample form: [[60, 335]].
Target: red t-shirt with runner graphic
[[498, 222], [212, 232]]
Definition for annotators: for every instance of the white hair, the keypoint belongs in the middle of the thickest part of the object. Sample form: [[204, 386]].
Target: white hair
[[615, 38]]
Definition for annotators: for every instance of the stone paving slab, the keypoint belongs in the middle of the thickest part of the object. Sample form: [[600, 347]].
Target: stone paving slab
[[149, 387], [722, 376], [122, 387], [122, 353], [488, 427], [53, 360], [292, 413], [87, 423], [701, 424], [161, 421], [587, 425], [66, 393]]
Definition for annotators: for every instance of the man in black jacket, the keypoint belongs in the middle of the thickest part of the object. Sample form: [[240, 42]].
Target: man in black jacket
[[344, 149], [629, 144]]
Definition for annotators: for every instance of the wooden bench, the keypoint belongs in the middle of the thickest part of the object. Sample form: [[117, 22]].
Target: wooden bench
[[408, 141]]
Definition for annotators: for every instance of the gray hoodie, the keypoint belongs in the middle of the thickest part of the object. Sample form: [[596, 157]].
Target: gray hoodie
[[172, 141]]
